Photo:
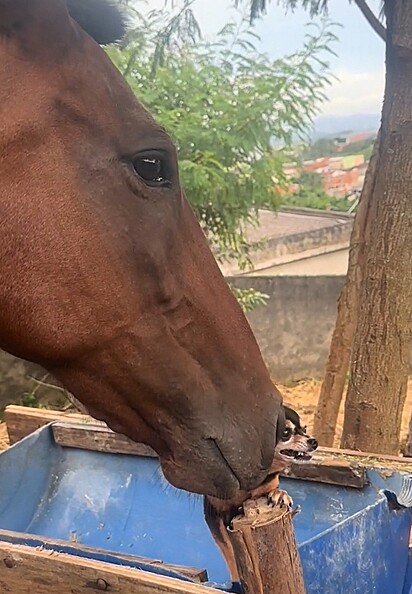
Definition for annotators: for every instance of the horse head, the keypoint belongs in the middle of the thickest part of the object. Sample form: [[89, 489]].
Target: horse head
[[106, 278]]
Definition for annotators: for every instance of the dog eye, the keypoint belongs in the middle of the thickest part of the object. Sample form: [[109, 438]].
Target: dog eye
[[286, 433], [153, 168]]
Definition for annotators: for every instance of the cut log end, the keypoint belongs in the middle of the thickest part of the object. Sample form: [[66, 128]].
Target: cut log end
[[266, 552]]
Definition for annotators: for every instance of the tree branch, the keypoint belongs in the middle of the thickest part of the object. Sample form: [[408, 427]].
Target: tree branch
[[371, 18]]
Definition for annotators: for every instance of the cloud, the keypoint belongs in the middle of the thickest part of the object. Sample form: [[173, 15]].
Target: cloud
[[355, 92]]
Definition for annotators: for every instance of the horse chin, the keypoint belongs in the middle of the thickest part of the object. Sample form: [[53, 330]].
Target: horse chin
[[215, 479], [180, 464]]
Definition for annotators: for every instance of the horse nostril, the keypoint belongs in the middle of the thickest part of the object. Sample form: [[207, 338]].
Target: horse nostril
[[313, 443]]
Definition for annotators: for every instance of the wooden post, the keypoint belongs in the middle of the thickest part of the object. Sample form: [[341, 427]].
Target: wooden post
[[265, 548]]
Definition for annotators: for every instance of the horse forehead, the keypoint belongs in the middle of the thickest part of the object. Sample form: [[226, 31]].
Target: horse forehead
[[85, 89]]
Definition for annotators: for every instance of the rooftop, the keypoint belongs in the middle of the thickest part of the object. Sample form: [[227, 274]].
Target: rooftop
[[284, 223]]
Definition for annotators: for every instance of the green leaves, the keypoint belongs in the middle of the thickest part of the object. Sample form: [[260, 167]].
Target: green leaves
[[225, 104], [311, 194], [249, 299], [259, 7]]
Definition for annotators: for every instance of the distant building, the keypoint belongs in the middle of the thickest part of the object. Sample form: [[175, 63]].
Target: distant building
[[336, 163], [340, 183], [341, 175], [291, 170], [343, 141], [316, 164], [351, 161]]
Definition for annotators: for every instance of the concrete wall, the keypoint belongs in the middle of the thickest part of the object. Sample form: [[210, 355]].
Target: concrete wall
[[295, 327], [293, 331], [272, 251], [279, 249]]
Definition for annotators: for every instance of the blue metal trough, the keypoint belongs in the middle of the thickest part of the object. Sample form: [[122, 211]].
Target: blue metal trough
[[351, 541]]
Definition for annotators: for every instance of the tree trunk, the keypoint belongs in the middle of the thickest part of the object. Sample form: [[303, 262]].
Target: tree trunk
[[380, 355], [371, 18], [265, 548], [341, 345], [408, 446]]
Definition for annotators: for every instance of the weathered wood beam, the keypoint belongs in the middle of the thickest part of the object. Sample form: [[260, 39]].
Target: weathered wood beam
[[265, 548], [27, 570]]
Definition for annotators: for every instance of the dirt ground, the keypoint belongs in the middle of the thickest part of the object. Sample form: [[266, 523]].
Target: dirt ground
[[303, 396]]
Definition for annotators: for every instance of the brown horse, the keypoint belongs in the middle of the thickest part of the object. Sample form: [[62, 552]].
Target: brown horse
[[107, 280]]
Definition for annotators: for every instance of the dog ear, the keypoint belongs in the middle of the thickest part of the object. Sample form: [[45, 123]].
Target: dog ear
[[103, 20], [281, 424], [292, 416]]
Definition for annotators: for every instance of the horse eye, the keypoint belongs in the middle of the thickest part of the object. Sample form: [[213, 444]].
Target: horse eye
[[152, 169]]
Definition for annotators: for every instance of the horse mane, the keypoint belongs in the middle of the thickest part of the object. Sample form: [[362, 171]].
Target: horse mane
[[101, 19]]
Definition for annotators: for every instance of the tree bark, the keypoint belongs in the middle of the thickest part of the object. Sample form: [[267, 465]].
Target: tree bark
[[341, 345], [408, 446], [265, 548], [380, 355]]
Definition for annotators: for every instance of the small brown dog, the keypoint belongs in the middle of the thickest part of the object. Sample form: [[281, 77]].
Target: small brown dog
[[294, 445]]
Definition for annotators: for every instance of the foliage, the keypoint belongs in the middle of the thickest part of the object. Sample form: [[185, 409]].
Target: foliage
[[318, 199], [56, 397], [314, 7], [249, 299], [259, 7], [363, 147], [312, 195], [223, 103], [310, 180], [368, 151], [30, 400], [323, 147]]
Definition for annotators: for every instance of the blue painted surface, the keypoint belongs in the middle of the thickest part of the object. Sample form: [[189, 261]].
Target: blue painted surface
[[349, 540], [408, 578]]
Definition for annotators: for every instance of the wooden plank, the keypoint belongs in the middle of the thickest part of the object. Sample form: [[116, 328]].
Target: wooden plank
[[267, 556], [359, 454], [24, 570], [71, 430], [330, 471], [8, 536], [78, 430], [101, 439], [22, 420], [97, 439]]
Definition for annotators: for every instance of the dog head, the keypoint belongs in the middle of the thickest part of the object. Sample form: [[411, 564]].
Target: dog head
[[294, 444]]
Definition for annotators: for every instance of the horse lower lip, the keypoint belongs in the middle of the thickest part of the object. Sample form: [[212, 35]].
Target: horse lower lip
[[216, 445]]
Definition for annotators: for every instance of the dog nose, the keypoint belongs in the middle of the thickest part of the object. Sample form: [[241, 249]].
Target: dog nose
[[313, 443]]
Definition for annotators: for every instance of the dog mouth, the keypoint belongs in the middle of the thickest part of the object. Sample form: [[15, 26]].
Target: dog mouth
[[296, 455]]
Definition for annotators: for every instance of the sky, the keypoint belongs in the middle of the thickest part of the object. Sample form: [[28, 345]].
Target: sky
[[360, 62]]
